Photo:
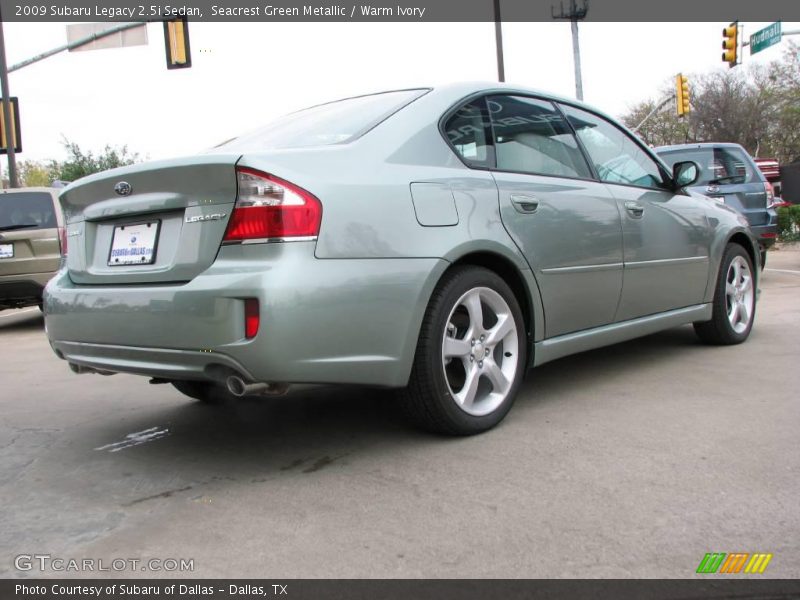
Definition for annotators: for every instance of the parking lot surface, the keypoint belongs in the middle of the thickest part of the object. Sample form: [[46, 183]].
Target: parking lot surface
[[629, 461]]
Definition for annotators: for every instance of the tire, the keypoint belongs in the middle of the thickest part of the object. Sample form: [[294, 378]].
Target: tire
[[467, 385], [205, 392], [734, 304]]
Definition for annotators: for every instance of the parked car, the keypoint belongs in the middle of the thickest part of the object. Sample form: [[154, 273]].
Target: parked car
[[729, 174], [31, 243], [440, 241], [771, 169]]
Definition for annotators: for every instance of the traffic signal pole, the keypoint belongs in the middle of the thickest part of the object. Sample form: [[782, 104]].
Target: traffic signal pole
[[13, 179], [77, 44], [658, 107]]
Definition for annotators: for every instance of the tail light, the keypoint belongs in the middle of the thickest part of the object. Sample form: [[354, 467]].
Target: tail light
[[268, 207], [62, 240], [770, 194]]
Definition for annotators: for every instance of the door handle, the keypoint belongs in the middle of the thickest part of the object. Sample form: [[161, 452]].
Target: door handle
[[634, 208], [525, 204]]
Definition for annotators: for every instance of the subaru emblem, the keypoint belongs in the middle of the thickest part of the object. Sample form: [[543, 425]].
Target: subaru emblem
[[713, 188], [123, 188]]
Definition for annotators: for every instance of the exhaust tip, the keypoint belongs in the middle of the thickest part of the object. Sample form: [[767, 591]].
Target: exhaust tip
[[239, 387], [236, 385]]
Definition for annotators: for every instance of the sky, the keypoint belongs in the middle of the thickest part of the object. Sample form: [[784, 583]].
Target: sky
[[244, 75]]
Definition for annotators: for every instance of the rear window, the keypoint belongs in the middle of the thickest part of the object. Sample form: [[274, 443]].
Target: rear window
[[27, 210], [717, 165], [324, 125]]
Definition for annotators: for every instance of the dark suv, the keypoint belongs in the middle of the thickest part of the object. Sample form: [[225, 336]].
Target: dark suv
[[32, 240], [728, 174]]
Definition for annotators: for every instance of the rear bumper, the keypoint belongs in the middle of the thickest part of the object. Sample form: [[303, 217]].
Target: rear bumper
[[23, 290], [766, 235], [322, 321]]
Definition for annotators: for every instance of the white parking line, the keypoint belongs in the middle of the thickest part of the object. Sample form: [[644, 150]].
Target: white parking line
[[135, 439], [18, 312], [784, 271]]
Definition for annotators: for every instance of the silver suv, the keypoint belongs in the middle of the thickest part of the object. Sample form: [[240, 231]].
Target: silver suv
[[32, 240], [729, 175]]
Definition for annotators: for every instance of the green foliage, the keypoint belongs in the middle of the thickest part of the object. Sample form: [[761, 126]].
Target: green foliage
[[80, 163], [35, 174], [789, 223]]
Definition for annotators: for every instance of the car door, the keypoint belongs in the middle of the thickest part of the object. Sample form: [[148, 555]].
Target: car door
[[666, 234], [565, 223]]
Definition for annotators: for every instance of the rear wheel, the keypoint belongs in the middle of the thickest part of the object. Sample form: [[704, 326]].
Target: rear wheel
[[470, 357], [206, 392], [734, 303]]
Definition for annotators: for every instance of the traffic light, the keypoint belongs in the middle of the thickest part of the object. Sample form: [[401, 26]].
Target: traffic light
[[682, 95], [730, 44], [176, 43], [16, 135]]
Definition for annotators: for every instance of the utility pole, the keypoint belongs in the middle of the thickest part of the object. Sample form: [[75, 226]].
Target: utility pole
[[13, 181], [574, 14], [498, 36]]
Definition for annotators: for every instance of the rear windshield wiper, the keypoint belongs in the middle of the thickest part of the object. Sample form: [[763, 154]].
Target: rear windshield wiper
[[728, 179], [21, 226]]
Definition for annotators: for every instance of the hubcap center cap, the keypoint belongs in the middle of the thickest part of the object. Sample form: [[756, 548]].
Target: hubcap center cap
[[479, 349]]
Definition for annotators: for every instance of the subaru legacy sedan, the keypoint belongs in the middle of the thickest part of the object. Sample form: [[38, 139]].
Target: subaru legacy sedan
[[440, 241]]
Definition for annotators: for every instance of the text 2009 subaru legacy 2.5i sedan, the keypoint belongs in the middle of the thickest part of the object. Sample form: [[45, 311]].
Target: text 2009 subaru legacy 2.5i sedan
[[439, 240]]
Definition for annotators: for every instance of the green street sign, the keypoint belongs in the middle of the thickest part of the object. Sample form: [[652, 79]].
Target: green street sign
[[764, 38]]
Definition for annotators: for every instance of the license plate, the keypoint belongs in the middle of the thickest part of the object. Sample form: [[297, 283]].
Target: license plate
[[134, 244], [6, 250]]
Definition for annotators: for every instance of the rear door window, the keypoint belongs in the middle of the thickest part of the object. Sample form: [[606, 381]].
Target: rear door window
[[27, 210], [531, 136]]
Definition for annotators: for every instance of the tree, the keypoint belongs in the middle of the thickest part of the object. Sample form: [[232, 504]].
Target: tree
[[661, 129], [784, 127], [758, 108], [80, 164], [35, 174]]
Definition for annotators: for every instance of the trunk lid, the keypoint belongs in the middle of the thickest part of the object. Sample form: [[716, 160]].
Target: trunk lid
[[158, 222]]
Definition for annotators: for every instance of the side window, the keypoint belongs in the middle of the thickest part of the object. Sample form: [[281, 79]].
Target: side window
[[616, 157], [531, 136], [469, 132]]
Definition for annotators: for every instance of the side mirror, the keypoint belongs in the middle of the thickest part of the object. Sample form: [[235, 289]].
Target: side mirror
[[685, 173]]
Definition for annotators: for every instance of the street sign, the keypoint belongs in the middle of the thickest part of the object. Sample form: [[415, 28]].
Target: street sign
[[764, 38], [16, 135]]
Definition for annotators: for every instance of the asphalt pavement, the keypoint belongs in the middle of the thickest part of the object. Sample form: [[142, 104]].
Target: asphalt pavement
[[629, 461]]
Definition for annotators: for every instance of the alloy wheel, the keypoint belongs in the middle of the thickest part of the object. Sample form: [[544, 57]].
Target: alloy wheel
[[479, 351], [739, 294]]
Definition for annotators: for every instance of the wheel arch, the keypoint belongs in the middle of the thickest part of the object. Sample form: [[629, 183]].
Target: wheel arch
[[744, 240], [522, 284]]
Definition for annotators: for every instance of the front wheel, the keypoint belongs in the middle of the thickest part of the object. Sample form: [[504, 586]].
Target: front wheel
[[470, 357], [734, 303]]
